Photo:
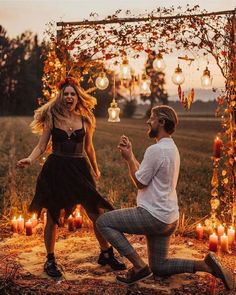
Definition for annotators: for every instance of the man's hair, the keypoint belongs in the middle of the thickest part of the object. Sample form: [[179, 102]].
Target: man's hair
[[168, 116]]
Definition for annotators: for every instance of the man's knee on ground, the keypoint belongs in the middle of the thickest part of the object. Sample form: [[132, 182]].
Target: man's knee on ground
[[158, 270]]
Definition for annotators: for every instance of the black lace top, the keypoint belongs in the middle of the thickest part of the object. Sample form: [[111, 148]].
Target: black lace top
[[65, 144]]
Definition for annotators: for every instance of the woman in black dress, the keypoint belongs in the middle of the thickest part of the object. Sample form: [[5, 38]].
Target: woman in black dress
[[65, 179]]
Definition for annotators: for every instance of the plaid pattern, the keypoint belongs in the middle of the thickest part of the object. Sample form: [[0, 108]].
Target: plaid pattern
[[114, 224]]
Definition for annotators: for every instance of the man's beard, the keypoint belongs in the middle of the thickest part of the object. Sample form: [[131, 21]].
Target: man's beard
[[153, 133]]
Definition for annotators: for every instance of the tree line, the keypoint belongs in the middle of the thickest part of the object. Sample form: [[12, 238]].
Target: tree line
[[21, 72]]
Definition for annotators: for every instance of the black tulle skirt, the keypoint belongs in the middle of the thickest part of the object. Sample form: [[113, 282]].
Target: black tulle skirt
[[63, 183]]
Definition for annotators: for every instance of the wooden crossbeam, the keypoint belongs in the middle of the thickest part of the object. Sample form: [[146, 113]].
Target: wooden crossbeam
[[142, 19]]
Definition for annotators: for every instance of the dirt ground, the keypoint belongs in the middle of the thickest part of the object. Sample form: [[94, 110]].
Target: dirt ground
[[22, 258]]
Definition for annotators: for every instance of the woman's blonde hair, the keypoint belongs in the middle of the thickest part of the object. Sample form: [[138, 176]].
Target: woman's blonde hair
[[54, 107]]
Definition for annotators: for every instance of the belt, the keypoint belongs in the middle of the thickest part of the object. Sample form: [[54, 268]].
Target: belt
[[76, 155]]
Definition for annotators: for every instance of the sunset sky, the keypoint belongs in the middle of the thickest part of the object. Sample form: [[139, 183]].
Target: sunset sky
[[18, 16]]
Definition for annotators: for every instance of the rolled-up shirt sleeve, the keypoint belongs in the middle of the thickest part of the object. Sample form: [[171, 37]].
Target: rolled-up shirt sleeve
[[152, 161]]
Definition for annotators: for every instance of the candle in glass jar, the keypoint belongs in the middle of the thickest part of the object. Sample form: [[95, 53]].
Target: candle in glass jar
[[29, 228], [220, 230], [20, 224], [231, 235], [199, 232], [213, 242], [217, 147], [14, 225], [78, 220], [224, 243], [70, 222]]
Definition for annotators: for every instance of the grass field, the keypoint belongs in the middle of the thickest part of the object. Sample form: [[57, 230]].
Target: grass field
[[194, 139]]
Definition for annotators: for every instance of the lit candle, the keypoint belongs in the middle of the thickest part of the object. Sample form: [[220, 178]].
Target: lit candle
[[78, 220], [213, 242], [220, 230], [217, 147], [70, 222], [14, 225], [199, 232], [224, 243], [34, 221], [20, 224], [29, 228], [231, 235], [44, 219]]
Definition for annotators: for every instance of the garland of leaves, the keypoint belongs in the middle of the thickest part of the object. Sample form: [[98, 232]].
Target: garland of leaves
[[80, 47]]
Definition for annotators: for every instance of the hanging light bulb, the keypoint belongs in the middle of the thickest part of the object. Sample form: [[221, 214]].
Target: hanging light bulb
[[178, 76], [158, 63], [144, 85], [125, 71], [102, 81], [206, 79], [114, 110]]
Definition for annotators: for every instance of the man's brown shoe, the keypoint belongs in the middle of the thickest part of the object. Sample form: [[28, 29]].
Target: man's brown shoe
[[219, 271], [133, 277]]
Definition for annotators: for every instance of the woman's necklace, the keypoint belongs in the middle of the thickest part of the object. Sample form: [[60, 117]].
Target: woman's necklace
[[69, 128]]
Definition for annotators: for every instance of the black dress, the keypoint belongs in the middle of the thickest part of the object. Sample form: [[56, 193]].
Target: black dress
[[65, 179]]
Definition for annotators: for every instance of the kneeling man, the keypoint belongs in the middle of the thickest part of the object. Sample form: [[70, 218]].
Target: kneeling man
[[157, 213]]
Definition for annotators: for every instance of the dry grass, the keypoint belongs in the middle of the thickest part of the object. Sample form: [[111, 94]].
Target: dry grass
[[194, 138]]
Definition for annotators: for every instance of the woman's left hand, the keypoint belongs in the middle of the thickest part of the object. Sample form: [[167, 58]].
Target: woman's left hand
[[97, 174]]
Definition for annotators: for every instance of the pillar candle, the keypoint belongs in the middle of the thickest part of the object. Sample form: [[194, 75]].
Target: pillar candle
[[78, 220], [34, 221], [213, 242], [70, 222], [199, 231], [220, 230], [20, 224], [217, 147], [224, 243], [14, 225], [231, 235], [29, 228], [44, 219]]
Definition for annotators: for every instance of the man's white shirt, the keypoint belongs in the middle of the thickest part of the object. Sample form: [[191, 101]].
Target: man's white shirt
[[159, 171]]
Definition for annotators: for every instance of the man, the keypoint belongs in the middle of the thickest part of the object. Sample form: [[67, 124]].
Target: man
[[156, 215]]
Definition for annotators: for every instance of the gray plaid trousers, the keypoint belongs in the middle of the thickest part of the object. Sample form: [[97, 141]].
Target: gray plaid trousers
[[114, 224]]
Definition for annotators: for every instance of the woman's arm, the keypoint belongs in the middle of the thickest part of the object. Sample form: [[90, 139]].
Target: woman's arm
[[89, 149], [38, 150]]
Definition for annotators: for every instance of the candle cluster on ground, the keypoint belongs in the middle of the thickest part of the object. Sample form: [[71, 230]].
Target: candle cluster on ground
[[74, 221], [218, 239], [18, 225]]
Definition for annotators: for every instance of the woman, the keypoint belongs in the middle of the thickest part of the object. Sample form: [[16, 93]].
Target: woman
[[65, 179]]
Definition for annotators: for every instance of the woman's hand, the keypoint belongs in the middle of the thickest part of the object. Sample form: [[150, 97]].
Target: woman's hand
[[24, 163], [97, 174]]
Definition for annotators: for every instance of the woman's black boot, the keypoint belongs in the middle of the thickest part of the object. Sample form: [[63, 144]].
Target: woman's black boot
[[107, 257]]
